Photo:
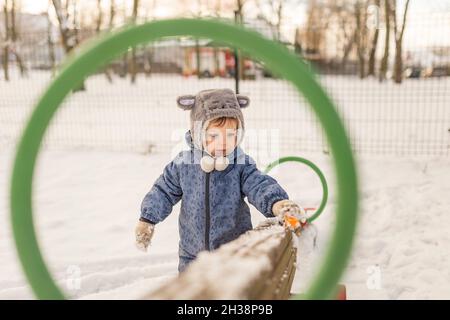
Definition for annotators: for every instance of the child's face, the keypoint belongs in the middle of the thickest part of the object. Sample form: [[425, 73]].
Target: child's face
[[220, 141]]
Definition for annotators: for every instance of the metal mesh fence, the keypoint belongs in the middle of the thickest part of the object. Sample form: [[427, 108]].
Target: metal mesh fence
[[116, 113]]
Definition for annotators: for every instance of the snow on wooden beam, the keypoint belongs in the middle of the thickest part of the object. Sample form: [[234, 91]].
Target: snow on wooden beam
[[260, 264]]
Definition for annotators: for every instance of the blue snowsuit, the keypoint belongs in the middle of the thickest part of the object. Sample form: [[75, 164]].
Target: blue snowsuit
[[213, 210]]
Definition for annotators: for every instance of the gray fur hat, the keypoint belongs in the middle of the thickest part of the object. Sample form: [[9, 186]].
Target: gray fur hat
[[211, 104]]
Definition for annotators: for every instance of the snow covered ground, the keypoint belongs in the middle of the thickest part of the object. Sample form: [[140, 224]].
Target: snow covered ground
[[87, 203], [87, 199]]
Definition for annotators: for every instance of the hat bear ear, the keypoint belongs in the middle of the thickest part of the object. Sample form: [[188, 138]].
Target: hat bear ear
[[186, 102], [243, 101]]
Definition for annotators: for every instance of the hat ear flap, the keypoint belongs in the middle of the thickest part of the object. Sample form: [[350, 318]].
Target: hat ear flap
[[243, 101], [186, 102]]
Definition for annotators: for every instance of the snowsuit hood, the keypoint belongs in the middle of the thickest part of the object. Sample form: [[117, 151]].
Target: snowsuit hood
[[211, 104]]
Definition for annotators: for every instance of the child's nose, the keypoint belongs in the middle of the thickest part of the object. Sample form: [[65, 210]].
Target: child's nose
[[221, 145]]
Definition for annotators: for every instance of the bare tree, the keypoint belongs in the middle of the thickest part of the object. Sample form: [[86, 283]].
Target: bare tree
[[239, 19], [98, 28], [398, 32], [385, 59], [271, 11], [298, 42], [7, 41], [349, 45], [50, 44], [198, 14], [147, 49], [67, 29], [346, 32], [99, 21], [360, 11], [11, 47], [316, 26], [217, 10], [67, 33], [375, 28], [133, 61], [14, 38], [349, 21], [124, 71], [240, 5], [112, 14]]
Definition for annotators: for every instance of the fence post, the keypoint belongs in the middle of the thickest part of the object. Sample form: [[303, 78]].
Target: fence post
[[237, 21]]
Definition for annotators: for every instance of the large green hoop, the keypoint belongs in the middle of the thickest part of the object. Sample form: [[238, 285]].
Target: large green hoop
[[99, 52]]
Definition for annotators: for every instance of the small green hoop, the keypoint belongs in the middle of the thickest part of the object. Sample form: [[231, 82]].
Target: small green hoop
[[316, 169]]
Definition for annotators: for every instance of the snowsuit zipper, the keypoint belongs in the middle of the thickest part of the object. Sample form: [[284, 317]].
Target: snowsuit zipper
[[207, 212]]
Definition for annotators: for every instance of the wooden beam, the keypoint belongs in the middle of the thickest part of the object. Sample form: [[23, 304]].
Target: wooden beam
[[260, 264]]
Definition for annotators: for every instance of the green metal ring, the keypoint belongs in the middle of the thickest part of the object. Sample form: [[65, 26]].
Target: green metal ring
[[316, 169], [97, 53]]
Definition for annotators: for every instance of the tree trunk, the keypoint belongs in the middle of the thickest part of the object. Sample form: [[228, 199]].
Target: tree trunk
[[14, 37], [68, 36], [50, 44], [148, 57], [197, 57], [297, 43], [112, 13], [361, 30], [398, 63], [373, 49], [279, 19], [98, 24], [98, 28], [385, 59], [76, 41], [6, 46], [216, 50], [372, 55], [147, 51], [133, 62], [239, 19], [216, 62], [348, 48], [399, 31]]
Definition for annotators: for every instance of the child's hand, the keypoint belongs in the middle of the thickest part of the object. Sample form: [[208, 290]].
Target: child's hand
[[144, 233], [290, 214]]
